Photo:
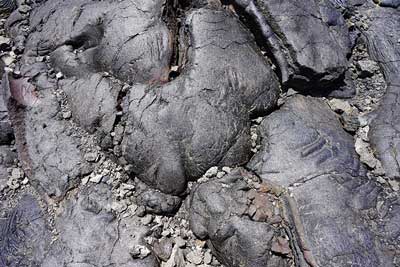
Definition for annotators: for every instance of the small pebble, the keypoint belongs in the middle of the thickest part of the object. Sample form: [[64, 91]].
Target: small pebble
[[67, 115], [91, 157], [194, 256], [211, 172], [207, 257], [59, 75]]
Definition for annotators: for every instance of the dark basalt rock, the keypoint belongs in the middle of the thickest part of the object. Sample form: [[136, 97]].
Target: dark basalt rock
[[6, 131], [306, 151], [24, 234], [309, 136], [7, 6], [156, 202], [308, 40], [7, 158], [388, 3], [93, 113], [87, 234], [169, 89], [382, 38], [196, 121], [200, 119], [91, 235], [86, 38], [39, 134], [128, 39], [236, 219]]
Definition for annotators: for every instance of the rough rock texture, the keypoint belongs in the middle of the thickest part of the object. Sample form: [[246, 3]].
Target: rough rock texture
[[203, 114], [39, 133], [238, 221], [128, 38], [306, 150], [388, 3], [7, 157], [383, 44], [86, 39], [155, 201], [113, 112], [24, 234], [6, 131], [89, 234], [308, 40], [200, 119], [86, 233]]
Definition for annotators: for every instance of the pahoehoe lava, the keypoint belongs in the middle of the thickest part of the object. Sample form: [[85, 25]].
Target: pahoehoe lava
[[173, 133]]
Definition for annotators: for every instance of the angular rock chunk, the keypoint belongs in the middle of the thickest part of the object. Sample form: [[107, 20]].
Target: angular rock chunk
[[24, 234], [91, 235], [308, 40], [237, 221], [383, 45], [308, 153], [155, 201], [200, 119], [50, 156]]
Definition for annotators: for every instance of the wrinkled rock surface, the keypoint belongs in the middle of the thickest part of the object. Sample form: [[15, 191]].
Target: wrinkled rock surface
[[24, 233], [383, 38], [309, 40], [305, 150], [40, 135], [200, 119], [236, 219], [113, 112], [90, 234]]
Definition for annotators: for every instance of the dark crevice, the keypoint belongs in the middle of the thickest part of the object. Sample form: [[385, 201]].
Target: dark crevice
[[174, 17], [90, 37], [266, 39]]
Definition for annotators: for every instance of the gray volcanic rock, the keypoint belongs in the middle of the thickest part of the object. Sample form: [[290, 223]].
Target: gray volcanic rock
[[308, 40], [84, 39], [309, 136], [6, 131], [7, 157], [86, 233], [155, 201], [237, 221], [128, 39], [89, 234], [388, 3], [171, 89], [24, 234], [93, 101], [306, 151], [200, 119], [49, 155], [383, 45], [196, 121]]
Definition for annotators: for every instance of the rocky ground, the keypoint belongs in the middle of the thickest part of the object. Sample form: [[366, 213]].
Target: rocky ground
[[199, 133]]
